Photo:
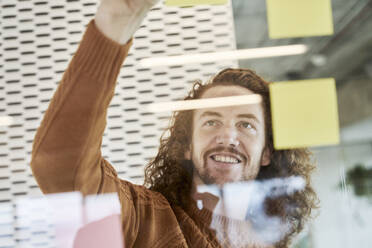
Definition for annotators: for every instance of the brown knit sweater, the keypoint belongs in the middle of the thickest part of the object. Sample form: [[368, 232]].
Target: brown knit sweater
[[67, 157]]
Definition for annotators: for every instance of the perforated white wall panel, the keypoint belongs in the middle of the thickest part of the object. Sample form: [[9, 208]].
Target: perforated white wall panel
[[38, 39]]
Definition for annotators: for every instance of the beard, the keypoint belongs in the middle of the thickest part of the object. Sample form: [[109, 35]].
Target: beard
[[205, 174]]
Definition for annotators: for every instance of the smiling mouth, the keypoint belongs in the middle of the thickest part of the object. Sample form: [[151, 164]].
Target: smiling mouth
[[225, 159]]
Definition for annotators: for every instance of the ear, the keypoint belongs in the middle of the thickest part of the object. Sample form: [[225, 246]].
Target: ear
[[266, 156], [187, 154]]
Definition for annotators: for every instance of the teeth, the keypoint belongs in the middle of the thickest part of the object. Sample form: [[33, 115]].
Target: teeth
[[225, 159]]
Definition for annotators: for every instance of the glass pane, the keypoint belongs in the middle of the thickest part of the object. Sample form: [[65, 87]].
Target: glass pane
[[181, 150]]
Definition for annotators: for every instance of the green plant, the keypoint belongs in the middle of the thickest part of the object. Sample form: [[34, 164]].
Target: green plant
[[360, 178]]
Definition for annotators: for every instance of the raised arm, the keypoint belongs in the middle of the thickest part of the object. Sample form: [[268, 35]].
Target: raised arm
[[66, 152]]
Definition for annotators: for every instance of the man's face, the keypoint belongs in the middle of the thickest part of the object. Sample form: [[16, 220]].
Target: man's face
[[228, 142]]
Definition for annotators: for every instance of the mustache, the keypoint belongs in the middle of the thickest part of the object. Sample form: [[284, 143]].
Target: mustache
[[231, 150]]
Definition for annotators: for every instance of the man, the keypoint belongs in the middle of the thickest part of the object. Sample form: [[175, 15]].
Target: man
[[205, 146]]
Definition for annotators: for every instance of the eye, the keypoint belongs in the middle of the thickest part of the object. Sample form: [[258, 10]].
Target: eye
[[246, 125], [211, 123]]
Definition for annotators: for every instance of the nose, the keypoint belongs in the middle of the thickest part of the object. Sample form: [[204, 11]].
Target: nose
[[228, 136]]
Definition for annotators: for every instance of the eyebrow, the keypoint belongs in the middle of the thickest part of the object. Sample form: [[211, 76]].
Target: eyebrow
[[212, 113], [249, 116]]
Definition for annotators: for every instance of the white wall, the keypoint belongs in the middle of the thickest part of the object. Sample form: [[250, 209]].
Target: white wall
[[38, 39]]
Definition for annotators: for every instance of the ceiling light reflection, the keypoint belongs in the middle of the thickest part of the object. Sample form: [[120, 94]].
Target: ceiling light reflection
[[6, 120], [205, 103], [253, 53]]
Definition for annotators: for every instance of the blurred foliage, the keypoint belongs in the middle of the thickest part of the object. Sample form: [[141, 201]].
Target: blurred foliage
[[360, 178]]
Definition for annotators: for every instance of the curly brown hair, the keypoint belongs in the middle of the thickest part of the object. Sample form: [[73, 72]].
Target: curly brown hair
[[171, 175]]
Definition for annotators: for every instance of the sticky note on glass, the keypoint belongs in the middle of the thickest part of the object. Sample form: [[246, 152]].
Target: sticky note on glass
[[304, 113], [183, 3], [299, 18]]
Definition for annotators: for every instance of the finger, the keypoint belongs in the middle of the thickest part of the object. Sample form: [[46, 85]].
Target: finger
[[152, 2]]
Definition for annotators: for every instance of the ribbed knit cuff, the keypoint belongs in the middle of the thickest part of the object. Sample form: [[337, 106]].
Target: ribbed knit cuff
[[98, 55]]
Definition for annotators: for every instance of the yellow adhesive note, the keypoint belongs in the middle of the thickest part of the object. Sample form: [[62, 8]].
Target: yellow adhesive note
[[183, 3], [304, 113], [299, 18]]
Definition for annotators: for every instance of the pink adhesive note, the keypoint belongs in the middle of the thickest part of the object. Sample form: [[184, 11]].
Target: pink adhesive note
[[102, 233], [91, 221], [67, 212]]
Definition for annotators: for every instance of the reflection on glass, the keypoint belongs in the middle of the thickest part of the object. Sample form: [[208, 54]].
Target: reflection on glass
[[240, 210], [68, 220], [215, 180]]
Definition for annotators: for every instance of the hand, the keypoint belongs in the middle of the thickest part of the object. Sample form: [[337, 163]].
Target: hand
[[124, 8], [119, 19]]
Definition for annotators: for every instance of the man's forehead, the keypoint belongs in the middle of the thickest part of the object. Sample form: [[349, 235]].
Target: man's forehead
[[226, 90], [237, 111], [241, 111]]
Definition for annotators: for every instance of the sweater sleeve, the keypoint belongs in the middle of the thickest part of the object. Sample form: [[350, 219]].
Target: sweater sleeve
[[66, 153]]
